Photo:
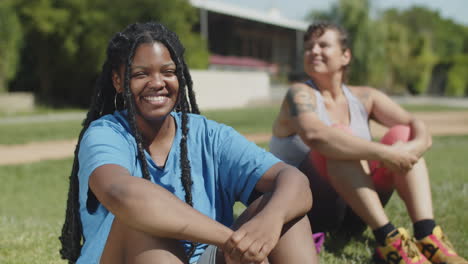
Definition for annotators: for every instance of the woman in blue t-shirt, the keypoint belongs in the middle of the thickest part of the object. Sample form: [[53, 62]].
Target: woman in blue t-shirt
[[154, 182]]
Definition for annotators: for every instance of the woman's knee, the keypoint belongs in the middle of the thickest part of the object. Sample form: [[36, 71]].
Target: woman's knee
[[395, 134]]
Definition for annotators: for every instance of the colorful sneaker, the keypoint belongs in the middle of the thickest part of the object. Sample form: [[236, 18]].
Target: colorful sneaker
[[399, 249], [438, 249]]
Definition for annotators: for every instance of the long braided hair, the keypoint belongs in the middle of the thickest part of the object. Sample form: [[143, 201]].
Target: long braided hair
[[120, 51]]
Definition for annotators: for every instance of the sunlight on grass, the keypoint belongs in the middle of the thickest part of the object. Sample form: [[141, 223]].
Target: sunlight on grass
[[32, 208], [25, 133], [245, 120], [42, 110]]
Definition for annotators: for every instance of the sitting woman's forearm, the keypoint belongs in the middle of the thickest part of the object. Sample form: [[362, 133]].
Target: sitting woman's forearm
[[336, 144], [291, 197], [152, 209]]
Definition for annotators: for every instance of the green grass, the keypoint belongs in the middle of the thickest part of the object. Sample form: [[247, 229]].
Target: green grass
[[32, 208], [245, 120], [41, 110], [447, 167], [33, 196], [45, 131]]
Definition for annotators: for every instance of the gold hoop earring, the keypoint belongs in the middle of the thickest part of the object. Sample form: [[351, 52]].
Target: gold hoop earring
[[115, 100]]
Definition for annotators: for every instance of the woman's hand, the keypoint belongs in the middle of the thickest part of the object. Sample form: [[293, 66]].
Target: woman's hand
[[399, 158], [253, 241]]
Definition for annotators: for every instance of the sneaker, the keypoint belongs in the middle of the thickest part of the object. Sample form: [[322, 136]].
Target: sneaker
[[438, 249], [399, 249]]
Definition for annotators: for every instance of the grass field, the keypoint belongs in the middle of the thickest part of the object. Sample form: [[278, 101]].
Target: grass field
[[246, 120], [249, 120], [33, 196]]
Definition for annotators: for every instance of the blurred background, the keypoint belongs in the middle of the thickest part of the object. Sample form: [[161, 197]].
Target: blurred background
[[241, 54], [52, 50]]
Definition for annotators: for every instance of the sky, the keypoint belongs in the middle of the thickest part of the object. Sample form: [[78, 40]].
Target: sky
[[456, 10]]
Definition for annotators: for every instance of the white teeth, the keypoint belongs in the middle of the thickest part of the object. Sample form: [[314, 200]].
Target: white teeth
[[154, 98]]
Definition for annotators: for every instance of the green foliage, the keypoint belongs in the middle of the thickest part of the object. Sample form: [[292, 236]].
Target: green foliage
[[10, 39], [457, 83], [66, 42], [366, 65], [403, 51], [415, 53]]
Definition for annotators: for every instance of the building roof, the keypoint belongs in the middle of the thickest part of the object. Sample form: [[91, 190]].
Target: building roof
[[273, 17]]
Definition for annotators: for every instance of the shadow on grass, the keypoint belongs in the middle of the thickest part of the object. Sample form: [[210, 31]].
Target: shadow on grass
[[356, 248]]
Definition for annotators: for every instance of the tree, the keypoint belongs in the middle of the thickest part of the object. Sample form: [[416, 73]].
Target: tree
[[435, 44], [66, 40], [413, 50], [366, 39], [10, 43], [457, 83]]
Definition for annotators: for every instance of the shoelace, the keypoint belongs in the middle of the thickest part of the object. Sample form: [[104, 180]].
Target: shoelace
[[410, 247]]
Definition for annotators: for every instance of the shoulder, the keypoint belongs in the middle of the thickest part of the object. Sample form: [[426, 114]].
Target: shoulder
[[198, 122], [300, 93], [365, 94], [299, 87], [209, 130], [108, 130], [110, 123]]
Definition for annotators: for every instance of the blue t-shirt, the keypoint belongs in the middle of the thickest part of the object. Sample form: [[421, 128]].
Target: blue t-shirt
[[225, 168]]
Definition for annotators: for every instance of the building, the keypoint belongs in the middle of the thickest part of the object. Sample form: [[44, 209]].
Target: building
[[245, 39]]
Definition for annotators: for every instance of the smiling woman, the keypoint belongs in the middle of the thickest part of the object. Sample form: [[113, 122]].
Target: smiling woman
[[153, 82], [156, 133], [323, 129]]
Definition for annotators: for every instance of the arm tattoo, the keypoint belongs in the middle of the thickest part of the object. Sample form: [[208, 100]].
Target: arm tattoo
[[299, 102]]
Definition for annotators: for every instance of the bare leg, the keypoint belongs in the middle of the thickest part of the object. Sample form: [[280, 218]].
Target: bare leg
[[129, 246], [355, 186], [296, 244], [414, 189], [329, 208]]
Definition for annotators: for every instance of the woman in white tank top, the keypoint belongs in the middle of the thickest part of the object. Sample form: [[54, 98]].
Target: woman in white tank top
[[323, 129]]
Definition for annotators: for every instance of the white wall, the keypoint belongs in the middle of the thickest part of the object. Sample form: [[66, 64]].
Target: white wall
[[229, 89], [16, 102]]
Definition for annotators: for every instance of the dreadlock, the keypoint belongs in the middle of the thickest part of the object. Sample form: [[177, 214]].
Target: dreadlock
[[120, 51]]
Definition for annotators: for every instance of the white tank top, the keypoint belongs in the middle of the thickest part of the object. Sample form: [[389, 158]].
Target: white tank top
[[359, 118], [293, 150]]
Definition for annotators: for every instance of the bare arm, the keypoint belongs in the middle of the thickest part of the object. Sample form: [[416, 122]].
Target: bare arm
[[291, 195], [152, 209], [290, 199], [389, 113], [330, 141]]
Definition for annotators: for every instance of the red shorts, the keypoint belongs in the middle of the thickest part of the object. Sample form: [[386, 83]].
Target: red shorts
[[382, 177]]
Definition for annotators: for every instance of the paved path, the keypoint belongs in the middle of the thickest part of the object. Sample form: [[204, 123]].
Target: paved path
[[439, 123]]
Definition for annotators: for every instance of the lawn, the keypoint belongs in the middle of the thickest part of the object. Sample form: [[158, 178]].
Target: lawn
[[33, 196], [245, 120]]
